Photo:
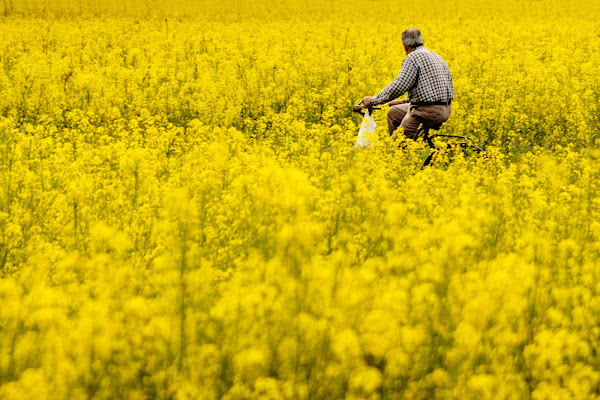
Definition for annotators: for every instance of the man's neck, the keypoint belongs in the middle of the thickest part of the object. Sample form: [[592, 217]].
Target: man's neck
[[411, 49]]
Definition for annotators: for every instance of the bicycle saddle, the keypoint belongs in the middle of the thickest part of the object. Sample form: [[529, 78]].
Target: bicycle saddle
[[436, 127]]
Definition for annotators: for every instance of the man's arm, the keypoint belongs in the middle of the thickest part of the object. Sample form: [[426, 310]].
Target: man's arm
[[406, 79]]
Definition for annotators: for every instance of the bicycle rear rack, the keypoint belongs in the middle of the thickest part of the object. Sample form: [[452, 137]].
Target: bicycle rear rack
[[424, 133]]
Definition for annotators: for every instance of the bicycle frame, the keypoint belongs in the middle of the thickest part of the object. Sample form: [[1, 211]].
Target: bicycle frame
[[423, 132]]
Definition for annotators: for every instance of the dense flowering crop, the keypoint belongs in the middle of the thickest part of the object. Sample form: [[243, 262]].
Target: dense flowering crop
[[183, 213]]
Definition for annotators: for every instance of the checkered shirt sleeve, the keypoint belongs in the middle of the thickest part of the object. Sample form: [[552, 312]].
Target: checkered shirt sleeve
[[424, 75]]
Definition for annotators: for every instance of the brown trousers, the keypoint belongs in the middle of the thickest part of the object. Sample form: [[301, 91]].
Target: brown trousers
[[410, 116]]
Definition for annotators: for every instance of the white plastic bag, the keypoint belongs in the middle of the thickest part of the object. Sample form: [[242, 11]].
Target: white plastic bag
[[367, 128]]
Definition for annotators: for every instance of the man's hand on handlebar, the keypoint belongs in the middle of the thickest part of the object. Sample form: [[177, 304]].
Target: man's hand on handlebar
[[358, 108], [367, 101]]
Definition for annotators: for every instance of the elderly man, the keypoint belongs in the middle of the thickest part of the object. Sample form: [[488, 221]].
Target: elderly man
[[427, 79]]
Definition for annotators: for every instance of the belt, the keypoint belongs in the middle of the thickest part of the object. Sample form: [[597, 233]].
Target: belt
[[433, 103]]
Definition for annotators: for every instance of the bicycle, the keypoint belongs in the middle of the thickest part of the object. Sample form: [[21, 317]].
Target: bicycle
[[466, 145]]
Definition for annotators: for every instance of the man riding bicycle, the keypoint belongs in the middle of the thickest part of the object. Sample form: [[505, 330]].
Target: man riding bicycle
[[427, 79]]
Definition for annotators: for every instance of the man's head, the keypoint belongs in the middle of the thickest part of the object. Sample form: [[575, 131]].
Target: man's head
[[411, 39]]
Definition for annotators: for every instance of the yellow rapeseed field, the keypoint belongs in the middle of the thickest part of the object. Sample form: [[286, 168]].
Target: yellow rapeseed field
[[183, 214]]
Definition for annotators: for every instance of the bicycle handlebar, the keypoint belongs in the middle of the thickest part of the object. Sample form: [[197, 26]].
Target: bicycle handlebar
[[359, 107]]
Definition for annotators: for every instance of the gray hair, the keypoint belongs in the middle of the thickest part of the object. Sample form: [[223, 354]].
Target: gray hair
[[412, 38]]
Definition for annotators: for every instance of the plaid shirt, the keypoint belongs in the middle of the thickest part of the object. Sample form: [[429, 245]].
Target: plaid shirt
[[424, 75]]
